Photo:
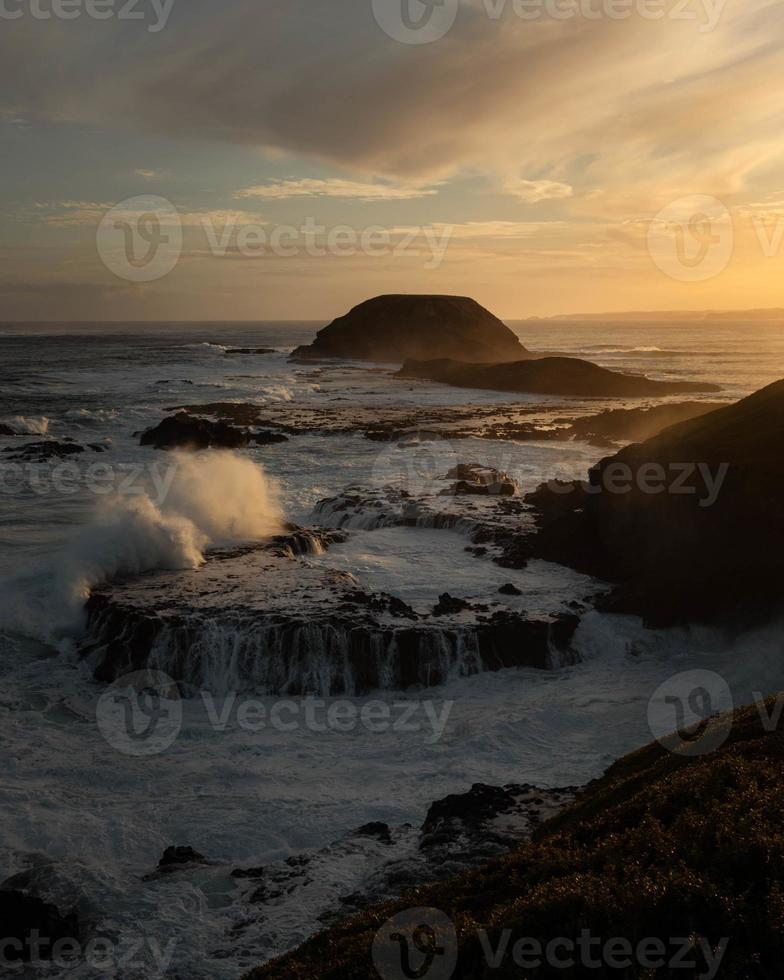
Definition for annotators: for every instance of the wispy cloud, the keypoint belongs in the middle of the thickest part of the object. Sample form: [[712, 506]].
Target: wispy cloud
[[295, 187], [534, 191], [151, 175]]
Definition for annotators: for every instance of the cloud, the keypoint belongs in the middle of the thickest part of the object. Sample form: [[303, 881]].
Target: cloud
[[622, 104], [333, 187], [534, 191]]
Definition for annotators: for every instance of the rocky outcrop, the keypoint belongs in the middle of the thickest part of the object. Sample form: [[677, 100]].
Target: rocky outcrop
[[187, 431], [251, 350], [476, 480], [395, 328], [661, 839], [689, 523], [635, 424], [30, 928], [546, 376], [42, 452], [258, 618], [380, 860], [6, 430]]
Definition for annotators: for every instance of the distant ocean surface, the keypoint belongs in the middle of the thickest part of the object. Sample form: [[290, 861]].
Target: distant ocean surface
[[103, 818]]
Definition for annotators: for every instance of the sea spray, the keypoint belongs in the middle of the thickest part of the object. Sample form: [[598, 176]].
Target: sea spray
[[212, 499]]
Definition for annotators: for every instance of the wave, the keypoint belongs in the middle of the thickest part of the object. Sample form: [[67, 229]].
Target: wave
[[211, 500], [29, 426]]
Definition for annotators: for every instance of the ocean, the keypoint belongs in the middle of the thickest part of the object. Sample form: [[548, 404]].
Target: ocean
[[89, 822]]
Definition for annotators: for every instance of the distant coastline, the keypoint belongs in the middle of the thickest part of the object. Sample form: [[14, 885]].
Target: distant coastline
[[669, 315]]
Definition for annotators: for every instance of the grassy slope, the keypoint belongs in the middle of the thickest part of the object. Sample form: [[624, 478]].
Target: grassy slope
[[660, 846]]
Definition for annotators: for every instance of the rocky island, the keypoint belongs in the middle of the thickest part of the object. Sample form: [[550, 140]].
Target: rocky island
[[547, 376], [394, 328]]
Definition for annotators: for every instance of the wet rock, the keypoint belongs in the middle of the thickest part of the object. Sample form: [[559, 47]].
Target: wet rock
[[174, 857], [251, 350], [546, 376], [509, 589], [184, 431], [251, 873], [477, 480], [24, 918], [378, 830], [294, 628], [449, 606], [41, 452], [6, 430]]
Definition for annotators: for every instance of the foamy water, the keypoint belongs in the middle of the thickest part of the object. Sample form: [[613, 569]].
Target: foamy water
[[100, 818]]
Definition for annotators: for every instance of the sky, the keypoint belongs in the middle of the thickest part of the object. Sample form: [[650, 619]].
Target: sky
[[286, 159]]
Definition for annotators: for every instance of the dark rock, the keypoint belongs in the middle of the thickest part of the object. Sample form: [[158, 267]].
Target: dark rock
[[251, 350], [472, 807], [6, 430], [635, 424], [449, 606], [509, 589], [41, 452], [546, 376], [184, 431], [684, 551], [174, 857], [476, 480], [378, 830], [395, 328], [250, 873], [24, 917]]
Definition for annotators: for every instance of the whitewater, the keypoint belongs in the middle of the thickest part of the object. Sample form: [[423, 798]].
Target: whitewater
[[88, 823]]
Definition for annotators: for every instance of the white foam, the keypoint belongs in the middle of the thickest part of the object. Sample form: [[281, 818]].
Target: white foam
[[211, 499], [29, 426]]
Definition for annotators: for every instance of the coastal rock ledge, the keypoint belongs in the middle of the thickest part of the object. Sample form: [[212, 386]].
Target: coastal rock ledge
[[395, 328]]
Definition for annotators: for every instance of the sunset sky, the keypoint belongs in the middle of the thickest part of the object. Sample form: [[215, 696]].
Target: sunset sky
[[545, 147]]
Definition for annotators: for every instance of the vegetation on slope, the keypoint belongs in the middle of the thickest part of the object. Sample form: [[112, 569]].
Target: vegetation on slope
[[662, 846]]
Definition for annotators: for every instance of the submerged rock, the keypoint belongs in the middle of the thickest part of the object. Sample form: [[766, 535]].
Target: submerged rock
[[395, 328], [546, 376], [41, 452]]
